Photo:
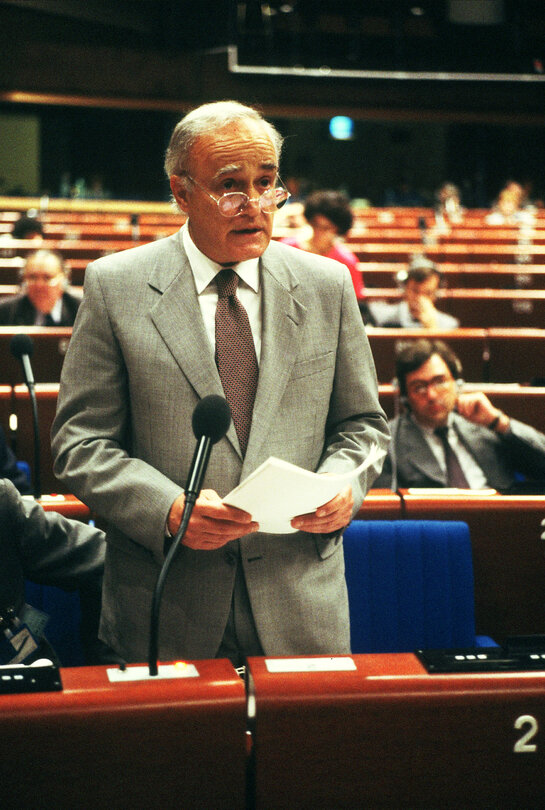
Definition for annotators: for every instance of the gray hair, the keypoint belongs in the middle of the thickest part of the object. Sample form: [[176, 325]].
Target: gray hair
[[208, 117]]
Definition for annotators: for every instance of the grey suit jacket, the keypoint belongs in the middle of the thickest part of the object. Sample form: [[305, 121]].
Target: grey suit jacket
[[500, 457], [138, 362]]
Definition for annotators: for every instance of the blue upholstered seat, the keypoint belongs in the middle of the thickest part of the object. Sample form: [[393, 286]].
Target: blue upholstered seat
[[410, 585]]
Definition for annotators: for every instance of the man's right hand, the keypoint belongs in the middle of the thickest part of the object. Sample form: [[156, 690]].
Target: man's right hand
[[212, 523]]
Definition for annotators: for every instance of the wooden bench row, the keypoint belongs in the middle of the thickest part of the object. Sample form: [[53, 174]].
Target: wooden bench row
[[526, 404], [366, 251], [125, 229], [450, 253], [455, 276], [487, 355], [481, 307], [375, 274]]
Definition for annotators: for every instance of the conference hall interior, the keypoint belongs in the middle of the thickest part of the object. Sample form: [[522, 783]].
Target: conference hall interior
[[421, 124]]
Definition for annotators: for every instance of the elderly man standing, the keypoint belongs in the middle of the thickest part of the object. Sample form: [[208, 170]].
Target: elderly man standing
[[150, 341]]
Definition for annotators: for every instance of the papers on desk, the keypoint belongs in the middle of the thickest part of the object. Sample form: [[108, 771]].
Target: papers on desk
[[277, 491]]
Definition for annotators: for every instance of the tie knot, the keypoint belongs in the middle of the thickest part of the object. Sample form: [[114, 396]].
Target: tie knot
[[227, 282], [442, 432]]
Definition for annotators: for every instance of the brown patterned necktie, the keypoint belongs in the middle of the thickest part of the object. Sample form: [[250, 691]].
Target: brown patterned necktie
[[455, 474], [235, 354]]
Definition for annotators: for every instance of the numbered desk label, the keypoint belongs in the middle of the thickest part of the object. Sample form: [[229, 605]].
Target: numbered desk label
[[528, 725]]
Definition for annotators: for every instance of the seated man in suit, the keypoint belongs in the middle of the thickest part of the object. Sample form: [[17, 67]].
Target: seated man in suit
[[417, 309], [447, 437], [44, 300], [49, 549]]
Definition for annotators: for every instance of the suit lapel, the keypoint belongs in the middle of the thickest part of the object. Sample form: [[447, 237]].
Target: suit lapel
[[283, 315], [178, 320], [418, 453]]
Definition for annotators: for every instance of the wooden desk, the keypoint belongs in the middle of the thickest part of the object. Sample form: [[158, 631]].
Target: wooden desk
[[508, 555], [148, 744], [380, 504], [440, 253], [50, 344], [515, 355], [5, 407], [388, 735], [67, 505], [473, 276], [475, 308], [46, 397], [469, 344]]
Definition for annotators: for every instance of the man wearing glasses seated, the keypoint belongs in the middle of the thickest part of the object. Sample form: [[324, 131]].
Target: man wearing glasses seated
[[44, 300], [219, 308], [448, 437]]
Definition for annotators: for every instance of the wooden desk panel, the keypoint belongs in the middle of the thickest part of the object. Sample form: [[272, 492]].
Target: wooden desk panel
[[5, 408], [380, 504], [389, 735], [481, 308], [472, 276], [469, 344], [508, 555], [516, 355], [151, 744], [473, 253], [67, 505], [50, 344], [46, 397]]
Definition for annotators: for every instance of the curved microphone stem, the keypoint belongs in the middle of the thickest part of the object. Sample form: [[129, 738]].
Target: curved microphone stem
[[37, 454], [198, 467]]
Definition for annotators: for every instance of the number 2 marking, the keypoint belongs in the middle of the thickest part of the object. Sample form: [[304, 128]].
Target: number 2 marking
[[524, 746]]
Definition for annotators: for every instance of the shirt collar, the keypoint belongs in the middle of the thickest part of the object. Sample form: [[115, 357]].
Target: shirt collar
[[429, 431], [205, 270]]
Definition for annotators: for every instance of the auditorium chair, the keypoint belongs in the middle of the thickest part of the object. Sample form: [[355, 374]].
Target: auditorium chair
[[73, 617], [410, 586]]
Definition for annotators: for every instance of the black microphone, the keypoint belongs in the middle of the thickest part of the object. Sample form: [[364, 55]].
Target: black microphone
[[210, 421], [21, 346]]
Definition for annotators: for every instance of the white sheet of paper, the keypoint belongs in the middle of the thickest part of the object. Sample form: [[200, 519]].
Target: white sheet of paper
[[277, 491]]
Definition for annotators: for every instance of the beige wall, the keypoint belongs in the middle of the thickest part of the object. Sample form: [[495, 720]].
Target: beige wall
[[19, 154]]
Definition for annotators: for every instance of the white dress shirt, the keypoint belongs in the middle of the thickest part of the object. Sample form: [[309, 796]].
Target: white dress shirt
[[474, 475], [249, 289]]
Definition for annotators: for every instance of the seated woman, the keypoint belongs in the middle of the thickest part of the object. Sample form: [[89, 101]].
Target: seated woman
[[330, 217]]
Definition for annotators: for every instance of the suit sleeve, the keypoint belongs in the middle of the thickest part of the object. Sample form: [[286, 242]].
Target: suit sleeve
[[525, 447], [51, 549], [356, 420], [91, 434]]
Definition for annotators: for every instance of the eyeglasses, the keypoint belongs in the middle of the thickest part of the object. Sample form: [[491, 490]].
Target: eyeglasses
[[420, 387], [235, 202], [37, 278]]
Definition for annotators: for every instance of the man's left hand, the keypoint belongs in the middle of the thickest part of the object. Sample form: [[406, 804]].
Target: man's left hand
[[477, 408], [331, 517]]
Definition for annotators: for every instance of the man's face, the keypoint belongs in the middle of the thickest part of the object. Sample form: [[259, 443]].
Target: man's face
[[238, 157], [431, 392], [414, 290], [44, 280], [325, 232]]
